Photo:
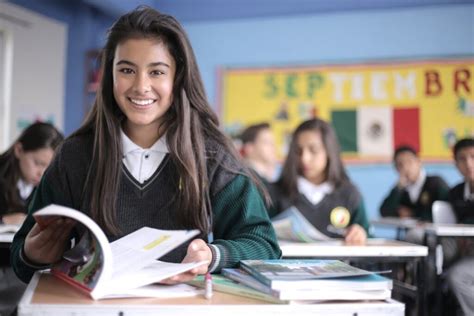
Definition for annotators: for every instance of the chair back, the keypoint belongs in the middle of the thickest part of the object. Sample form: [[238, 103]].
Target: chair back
[[443, 213]]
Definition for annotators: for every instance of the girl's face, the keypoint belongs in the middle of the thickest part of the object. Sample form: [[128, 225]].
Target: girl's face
[[33, 163], [312, 156], [143, 73]]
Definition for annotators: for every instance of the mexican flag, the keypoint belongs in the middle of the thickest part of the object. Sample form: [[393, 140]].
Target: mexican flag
[[376, 131]]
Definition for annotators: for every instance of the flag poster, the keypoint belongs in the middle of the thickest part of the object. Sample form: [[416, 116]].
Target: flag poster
[[373, 107]]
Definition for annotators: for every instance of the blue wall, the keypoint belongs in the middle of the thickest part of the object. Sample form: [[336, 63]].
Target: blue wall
[[339, 37], [354, 36]]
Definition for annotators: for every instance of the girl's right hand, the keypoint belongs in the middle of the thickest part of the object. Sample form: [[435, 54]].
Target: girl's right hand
[[47, 245]]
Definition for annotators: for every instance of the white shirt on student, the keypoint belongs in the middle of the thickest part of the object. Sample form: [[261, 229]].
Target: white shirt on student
[[468, 195], [414, 189], [142, 162], [313, 192], [24, 188]]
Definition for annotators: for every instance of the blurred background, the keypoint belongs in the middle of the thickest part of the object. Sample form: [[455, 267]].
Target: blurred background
[[361, 64]]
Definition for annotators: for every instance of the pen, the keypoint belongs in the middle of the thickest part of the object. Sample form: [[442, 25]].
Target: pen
[[208, 289]]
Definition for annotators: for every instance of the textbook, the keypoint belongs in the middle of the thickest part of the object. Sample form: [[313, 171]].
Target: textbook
[[366, 287], [281, 274], [122, 268], [291, 225], [220, 283]]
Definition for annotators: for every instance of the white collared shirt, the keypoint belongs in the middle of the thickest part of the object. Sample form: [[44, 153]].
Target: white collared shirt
[[24, 188], [142, 162], [414, 189], [468, 195], [314, 193]]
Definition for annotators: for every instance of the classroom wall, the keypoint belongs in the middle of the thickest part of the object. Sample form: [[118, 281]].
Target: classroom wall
[[33, 70], [352, 36], [86, 31], [355, 36]]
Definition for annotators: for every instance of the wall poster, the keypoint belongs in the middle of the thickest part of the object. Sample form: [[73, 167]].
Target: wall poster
[[374, 107]]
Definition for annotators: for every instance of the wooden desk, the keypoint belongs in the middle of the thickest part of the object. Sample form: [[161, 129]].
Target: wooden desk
[[47, 295], [375, 251], [374, 248]]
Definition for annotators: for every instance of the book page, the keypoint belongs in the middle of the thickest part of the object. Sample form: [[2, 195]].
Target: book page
[[88, 264], [293, 226], [128, 284], [142, 247]]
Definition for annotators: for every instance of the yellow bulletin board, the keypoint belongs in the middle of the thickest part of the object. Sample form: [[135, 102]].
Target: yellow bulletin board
[[373, 107]]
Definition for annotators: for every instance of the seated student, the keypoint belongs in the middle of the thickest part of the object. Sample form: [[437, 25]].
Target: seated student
[[461, 197], [21, 168], [415, 191], [151, 154], [259, 150], [314, 180]]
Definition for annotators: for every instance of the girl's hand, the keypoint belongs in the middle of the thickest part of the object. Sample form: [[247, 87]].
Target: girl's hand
[[14, 218], [47, 245], [355, 235], [198, 250]]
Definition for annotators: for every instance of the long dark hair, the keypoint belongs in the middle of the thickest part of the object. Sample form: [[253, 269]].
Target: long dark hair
[[35, 137], [189, 124], [335, 171]]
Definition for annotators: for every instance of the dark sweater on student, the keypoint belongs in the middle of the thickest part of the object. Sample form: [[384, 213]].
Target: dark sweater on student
[[4, 207], [241, 226], [434, 188], [346, 195], [464, 209]]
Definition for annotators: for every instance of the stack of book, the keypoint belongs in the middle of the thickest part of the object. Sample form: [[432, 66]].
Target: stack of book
[[295, 281]]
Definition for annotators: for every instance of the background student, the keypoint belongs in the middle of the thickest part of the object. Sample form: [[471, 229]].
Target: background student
[[461, 197], [259, 150], [415, 192], [315, 181], [151, 154], [21, 168]]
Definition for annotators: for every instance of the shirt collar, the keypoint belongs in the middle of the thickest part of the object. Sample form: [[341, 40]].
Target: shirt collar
[[128, 146], [24, 188], [314, 192], [468, 195]]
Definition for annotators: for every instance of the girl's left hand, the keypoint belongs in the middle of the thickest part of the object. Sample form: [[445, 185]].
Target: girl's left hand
[[355, 235], [198, 250]]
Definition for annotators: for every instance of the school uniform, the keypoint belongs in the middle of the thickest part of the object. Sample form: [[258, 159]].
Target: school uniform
[[324, 204], [11, 289], [148, 196], [418, 197], [461, 273]]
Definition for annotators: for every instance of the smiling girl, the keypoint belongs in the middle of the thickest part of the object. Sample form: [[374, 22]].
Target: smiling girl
[[151, 154]]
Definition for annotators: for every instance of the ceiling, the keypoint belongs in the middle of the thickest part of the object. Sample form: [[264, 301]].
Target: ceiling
[[206, 10]]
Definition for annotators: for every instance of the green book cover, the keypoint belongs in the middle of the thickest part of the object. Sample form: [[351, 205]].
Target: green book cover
[[225, 285]]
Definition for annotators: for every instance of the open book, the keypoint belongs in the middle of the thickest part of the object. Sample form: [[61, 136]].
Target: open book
[[119, 269], [291, 225]]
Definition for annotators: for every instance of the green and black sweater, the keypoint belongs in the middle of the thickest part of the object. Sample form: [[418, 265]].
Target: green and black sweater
[[434, 188], [241, 226], [464, 209], [346, 195]]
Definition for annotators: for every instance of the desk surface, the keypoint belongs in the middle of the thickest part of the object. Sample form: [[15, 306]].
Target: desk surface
[[7, 232], [396, 222], [47, 295], [373, 248], [451, 230]]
